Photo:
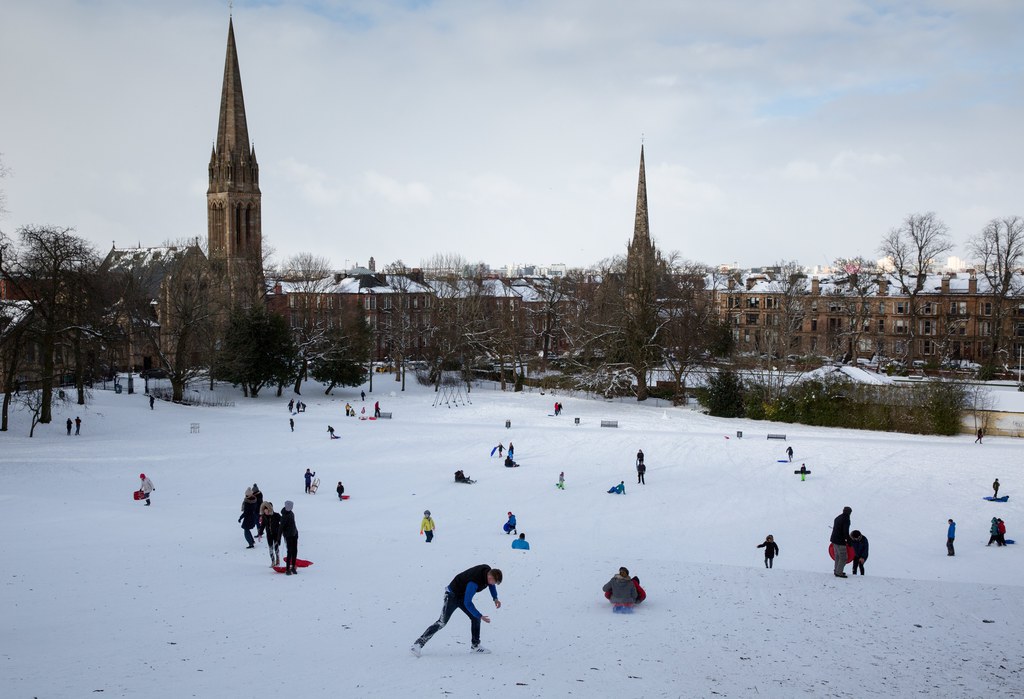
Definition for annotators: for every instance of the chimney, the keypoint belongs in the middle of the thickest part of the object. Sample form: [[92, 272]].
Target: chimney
[[277, 288], [732, 283], [883, 287], [750, 282], [815, 286], [972, 284], [945, 284]]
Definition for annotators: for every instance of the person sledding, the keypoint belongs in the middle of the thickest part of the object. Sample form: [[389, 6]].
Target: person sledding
[[619, 489], [330, 431], [461, 477], [509, 463], [510, 525], [621, 591]]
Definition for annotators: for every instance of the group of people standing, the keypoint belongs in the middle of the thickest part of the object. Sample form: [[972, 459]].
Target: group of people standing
[[259, 514]]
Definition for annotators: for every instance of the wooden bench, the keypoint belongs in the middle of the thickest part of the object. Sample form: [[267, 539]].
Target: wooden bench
[[609, 423], [384, 416], [777, 436]]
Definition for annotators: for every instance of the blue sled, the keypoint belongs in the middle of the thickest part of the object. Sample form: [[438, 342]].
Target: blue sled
[[1009, 541], [992, 499], [622, 609]]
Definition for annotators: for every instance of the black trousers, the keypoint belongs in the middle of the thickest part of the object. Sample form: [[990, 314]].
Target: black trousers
[[291, 551], [768, 561], [857, 564], [451, 603], [949, 546]]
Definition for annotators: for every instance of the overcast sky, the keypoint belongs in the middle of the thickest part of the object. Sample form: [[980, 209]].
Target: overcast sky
[[510, 131]]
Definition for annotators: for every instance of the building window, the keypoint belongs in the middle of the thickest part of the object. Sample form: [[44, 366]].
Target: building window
[[899, 326], [751, 319], [986, 308], [814, 325], [881, 325], [927, 347], [927, 327], [928, 309], [900, 307], [754, 302]]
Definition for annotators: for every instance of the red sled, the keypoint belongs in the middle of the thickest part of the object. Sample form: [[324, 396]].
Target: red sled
[[299, 563], [832, 552], [139, 495]]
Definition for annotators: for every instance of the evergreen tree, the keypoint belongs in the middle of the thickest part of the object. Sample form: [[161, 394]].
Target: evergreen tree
[[258, 350]]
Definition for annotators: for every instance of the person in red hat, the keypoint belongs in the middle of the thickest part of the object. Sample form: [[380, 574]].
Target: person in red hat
[[510, 525], [146, 487]]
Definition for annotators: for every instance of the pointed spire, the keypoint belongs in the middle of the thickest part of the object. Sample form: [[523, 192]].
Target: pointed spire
[[641, 230], [232, 131]]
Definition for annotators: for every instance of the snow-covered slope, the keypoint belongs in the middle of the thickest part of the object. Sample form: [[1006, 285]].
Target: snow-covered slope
[[102, 593]]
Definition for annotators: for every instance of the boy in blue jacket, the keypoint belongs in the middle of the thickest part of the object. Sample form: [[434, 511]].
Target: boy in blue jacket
[[859, 542], [510, 525]]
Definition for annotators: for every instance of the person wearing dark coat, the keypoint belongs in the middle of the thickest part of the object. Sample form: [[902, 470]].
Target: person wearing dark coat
[[291, 538], [341, 490], [308, 475], [259, 518], [995, 488], [459, 595], [771, 550], [272, 526], [860, 550], [248, 517], [840, 539], [69, 427]]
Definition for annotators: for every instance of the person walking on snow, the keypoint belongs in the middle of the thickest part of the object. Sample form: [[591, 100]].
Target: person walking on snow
[[376, 409], [510, 525], [459, 595], [561, 481], [981, 433], [950, 535], [771, 550], [309, 479], [272, 525], [1001, 526], [641, 469], [341, 491], [803, 472], [427, 526], [291, 538], [840, 539], [291, 423], [258, 494], [860, 550], [789, 453], [501, 449], [146, 487], [151, 401], [362, 396], [69, 427], [995, 488], [511, 451], [248, 517], [291, 405], [78, 425]]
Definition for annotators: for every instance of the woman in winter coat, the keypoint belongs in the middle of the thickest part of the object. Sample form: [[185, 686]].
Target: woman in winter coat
[[341, 491], [771, 550], [248, 517], [272, 526], [994, 533], [146, 487], [859, 542], [620, 590]]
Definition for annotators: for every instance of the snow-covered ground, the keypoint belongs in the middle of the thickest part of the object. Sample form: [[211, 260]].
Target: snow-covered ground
[[102, 594]]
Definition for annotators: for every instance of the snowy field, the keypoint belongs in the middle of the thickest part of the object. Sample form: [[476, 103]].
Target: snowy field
[[102, 596]]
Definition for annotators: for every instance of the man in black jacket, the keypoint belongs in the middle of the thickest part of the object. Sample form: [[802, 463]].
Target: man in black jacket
[[459, 595], [840, 539], [291, 538]]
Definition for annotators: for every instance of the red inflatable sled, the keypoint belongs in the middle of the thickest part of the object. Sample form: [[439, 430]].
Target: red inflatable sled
[[299, 563], [139, 495], [832, 552]]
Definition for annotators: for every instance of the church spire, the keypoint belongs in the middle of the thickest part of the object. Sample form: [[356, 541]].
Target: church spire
[[641, 229], [232, 132]]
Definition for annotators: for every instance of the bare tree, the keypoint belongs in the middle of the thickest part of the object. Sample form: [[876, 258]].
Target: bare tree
[[313, 314], [46, 271], [853, 294], [999, 251], [912, 249]]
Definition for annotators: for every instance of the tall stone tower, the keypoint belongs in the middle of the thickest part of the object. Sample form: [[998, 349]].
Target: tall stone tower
[[644, 272], [234, 227], [642, 264]]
